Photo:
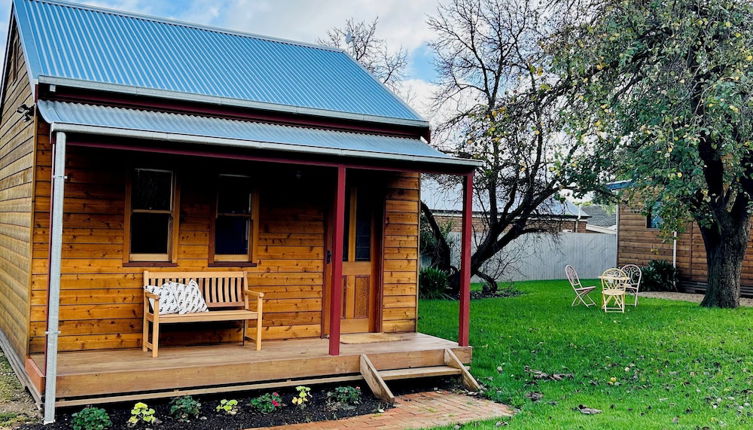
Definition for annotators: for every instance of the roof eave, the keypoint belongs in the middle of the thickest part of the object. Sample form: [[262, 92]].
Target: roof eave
[[252, 144], [226, 101], [31, 56]]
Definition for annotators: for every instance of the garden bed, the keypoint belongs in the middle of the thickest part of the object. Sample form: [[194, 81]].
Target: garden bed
[[316, 409], [504, 291]]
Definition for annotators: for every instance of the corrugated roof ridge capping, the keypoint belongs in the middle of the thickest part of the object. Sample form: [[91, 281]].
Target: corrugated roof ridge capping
[[106, 50], [208, 130], [180, 23]]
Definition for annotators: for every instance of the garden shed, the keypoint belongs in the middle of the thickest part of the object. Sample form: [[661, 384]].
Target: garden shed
[[132, 146]]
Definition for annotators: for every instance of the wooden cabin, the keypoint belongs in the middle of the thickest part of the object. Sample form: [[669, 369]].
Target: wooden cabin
[[639, 240], [131, 144]]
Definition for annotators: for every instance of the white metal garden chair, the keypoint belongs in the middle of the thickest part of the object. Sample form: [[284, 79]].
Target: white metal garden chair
[[613, 284], [634, 284], [581, 292]]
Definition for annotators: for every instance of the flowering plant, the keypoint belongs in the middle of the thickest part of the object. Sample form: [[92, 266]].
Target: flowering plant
[[304, 395], [344, 396], [141, 413], [229, 407], [184, 408], [266, 403], [91, 419]]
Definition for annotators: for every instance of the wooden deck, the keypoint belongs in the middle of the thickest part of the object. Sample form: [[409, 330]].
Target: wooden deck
[[111, 375]]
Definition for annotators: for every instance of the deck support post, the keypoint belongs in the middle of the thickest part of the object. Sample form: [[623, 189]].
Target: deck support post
[[465, 261], [336, 295], [53, 308]]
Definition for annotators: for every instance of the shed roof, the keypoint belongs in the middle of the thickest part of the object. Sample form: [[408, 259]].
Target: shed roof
[[187, 128], [601, 215], [448, 198], [90, 47]]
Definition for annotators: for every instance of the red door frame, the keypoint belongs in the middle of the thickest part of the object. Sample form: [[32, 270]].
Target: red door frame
[[336, 295]]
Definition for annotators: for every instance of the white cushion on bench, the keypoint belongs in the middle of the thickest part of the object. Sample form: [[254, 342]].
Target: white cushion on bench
[[167, 302], [188, 297]]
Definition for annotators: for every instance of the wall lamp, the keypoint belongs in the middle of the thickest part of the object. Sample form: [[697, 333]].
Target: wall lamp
[[26, 111]]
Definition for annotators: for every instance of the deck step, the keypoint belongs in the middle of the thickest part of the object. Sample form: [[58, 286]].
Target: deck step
[[376, 379], [419, 372]]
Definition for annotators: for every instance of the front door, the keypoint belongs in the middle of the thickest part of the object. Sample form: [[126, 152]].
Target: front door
[[360, 249], [359, 246]]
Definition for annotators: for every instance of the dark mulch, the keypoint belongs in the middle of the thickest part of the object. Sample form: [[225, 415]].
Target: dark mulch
[[316, 409]]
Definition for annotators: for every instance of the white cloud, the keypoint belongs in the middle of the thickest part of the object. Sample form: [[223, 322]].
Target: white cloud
[[419, 95], [402, 23]]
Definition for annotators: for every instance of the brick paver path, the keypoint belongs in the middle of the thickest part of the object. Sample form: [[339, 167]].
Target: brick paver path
[[419, 410]]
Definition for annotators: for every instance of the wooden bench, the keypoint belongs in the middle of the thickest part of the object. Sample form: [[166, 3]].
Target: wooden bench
[[226, 294]]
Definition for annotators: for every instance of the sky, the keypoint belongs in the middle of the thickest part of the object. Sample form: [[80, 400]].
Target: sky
[[402, 23]]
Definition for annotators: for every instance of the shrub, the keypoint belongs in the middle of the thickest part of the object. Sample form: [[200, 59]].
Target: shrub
[[229, 407], [141, 413], [266, 403], [184, 408], [659, 275], [433, 284], [91, 419], [304, 395], [344, 396]]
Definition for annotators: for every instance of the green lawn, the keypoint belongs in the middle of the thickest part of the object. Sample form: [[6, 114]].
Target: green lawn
[[676, 365]]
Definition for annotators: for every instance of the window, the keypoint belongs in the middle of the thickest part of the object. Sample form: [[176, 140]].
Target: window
[[151, 214], [653, 219], [235, 226], [358, 227]]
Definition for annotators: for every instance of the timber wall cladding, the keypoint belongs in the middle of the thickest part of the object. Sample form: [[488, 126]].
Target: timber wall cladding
[[16, 191], [101, 299], [638, 245], [400, 271]]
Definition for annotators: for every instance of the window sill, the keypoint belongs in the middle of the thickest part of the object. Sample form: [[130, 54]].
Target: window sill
[[232, 264], [150, 264]]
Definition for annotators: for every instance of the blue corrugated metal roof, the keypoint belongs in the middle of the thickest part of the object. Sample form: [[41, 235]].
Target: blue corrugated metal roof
[[619, 185], [90, 45], [108, 120]]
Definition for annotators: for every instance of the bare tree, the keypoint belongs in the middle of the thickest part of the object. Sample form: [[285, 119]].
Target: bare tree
[[359, 39], [494, 65]]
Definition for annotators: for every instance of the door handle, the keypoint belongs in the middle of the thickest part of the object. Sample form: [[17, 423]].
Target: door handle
[[329, 256]]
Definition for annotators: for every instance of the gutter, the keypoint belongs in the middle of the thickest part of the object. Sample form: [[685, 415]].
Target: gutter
[[674, 249], [600, 229], [253, 144]]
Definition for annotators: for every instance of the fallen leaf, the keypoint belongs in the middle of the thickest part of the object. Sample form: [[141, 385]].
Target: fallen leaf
[[585, 410], [535, 396], [561, 376]]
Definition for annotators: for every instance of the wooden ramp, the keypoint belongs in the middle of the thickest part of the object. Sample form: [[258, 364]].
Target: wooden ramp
[[375, 379]]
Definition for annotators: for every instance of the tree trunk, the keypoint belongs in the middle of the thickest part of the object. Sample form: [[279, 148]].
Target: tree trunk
[[490, 284], [441, 257], [725, 251]]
